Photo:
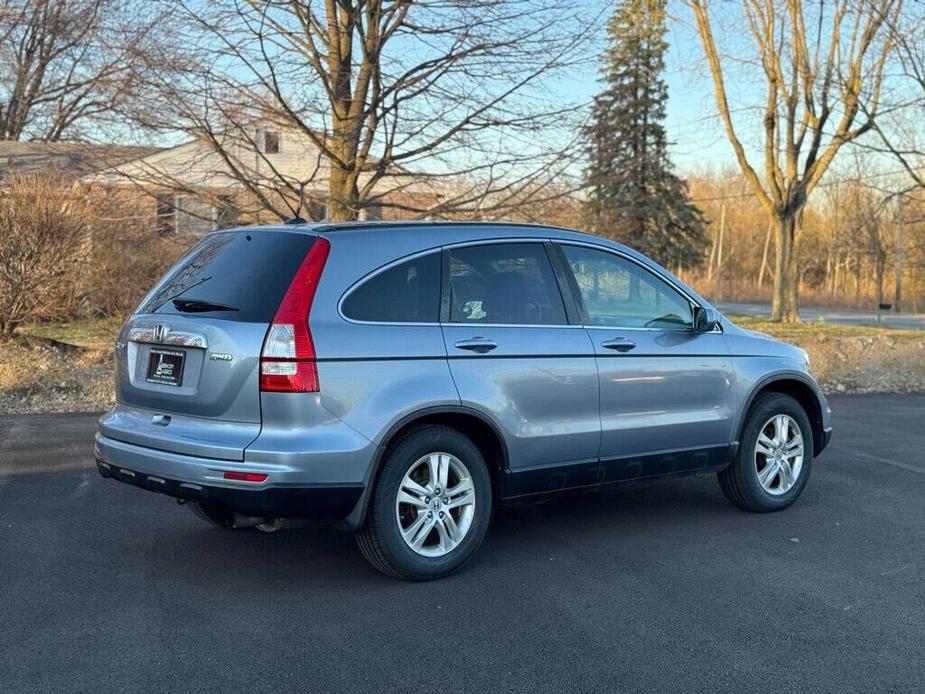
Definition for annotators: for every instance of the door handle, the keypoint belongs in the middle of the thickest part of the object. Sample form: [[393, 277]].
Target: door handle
[[477, 344], [620, 344]]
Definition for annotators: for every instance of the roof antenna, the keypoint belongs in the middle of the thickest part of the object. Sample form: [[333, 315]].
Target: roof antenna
[[295, 220]]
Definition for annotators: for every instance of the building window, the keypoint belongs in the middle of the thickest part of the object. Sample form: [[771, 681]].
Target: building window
[[268, 141], [271, 142], [225, 212], [371, 213], [165, 213], [195, 216], [317, 212]]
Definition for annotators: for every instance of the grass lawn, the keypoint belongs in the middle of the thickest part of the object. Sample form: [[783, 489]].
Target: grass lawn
[[89, 334], [813, 330]]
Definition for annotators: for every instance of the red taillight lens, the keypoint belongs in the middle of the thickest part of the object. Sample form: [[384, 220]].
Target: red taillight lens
[[244, 476], [287, 361]]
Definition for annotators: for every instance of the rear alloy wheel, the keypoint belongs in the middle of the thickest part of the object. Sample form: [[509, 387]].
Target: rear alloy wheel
[[430, 508], [435, 504], [774, 458]]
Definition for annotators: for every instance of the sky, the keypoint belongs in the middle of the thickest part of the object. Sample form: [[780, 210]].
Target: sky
[[692, 124], [698, 141]]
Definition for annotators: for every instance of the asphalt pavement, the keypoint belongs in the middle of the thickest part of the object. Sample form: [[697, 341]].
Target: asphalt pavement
[[653, 587], [905, 321]]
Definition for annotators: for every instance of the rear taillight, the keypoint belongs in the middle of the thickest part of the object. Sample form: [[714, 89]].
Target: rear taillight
[[287, 361]]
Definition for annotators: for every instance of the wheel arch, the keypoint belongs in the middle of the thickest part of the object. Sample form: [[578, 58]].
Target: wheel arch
[[478, 427], [801, 389]]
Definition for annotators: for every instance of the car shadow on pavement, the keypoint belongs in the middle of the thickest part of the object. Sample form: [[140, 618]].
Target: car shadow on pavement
[[520, 535]]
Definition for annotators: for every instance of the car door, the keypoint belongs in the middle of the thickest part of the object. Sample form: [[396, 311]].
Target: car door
[[666, 390], [516, 356]]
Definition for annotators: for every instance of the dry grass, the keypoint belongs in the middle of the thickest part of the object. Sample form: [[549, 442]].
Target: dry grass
[[58, 367], [853, 358]]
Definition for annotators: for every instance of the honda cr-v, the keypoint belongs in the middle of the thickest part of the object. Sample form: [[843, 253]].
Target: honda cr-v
[[403, 379]]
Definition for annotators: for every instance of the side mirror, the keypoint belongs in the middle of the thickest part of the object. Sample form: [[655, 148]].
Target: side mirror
[[705, 319]]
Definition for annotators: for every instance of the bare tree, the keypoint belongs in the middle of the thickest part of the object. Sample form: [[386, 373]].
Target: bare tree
[[822, 67], [902, 136], [434, 107], [67, 63], [865, 218]]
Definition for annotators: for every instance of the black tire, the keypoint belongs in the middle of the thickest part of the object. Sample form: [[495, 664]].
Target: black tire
[[380, 540], [216, 515], [739, 481]]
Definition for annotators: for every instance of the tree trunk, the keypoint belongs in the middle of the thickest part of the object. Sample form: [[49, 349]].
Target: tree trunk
[[785, 302], [879, 278], [343, 196], [900, 252]]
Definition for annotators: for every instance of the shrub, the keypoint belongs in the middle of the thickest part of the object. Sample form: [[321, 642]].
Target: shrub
[[127, 256], [44, 239]]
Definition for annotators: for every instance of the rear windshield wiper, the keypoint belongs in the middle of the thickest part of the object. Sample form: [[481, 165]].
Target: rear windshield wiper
[[200, 306], [175, 294]]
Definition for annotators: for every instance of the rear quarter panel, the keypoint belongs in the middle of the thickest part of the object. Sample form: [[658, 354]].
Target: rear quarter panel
[[375, 374]]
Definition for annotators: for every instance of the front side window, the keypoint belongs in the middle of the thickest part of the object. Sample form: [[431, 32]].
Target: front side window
[[619, 293], [406, 293], [505, 283]]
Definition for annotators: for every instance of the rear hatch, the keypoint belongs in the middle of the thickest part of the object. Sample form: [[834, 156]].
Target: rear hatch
[[188, 359]]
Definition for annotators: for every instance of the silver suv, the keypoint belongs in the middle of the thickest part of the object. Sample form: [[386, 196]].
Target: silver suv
[[403, 379]]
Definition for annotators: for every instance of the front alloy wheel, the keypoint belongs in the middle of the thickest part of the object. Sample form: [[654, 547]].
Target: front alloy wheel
[[774, 458], [779, 454]]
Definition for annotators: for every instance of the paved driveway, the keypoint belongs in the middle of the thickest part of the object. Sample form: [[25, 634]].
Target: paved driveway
[[659, 587]]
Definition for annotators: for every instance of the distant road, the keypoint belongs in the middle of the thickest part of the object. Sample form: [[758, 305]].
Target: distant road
[[907, 321]]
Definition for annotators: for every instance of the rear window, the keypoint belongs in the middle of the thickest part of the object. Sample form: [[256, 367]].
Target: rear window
[[504, 283], [406, 293], [237, 275]]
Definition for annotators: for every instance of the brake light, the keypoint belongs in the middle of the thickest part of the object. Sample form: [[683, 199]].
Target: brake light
[[244, 476], [287, 361]]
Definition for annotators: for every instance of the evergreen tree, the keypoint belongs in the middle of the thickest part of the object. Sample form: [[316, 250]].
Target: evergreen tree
[[634, 196]]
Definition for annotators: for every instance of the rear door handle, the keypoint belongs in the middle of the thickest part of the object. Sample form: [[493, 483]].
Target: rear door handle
[[620, 344], [477, 344]]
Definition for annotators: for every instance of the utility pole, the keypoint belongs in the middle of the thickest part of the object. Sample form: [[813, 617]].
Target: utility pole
[[764, 254], [900, 252], [718, 290]]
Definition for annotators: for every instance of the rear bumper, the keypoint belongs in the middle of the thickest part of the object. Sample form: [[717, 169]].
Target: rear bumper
[[200, 479]]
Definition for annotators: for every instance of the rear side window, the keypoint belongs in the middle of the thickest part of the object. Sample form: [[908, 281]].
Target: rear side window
[[406, 293], [506, 283], [237, 275]]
